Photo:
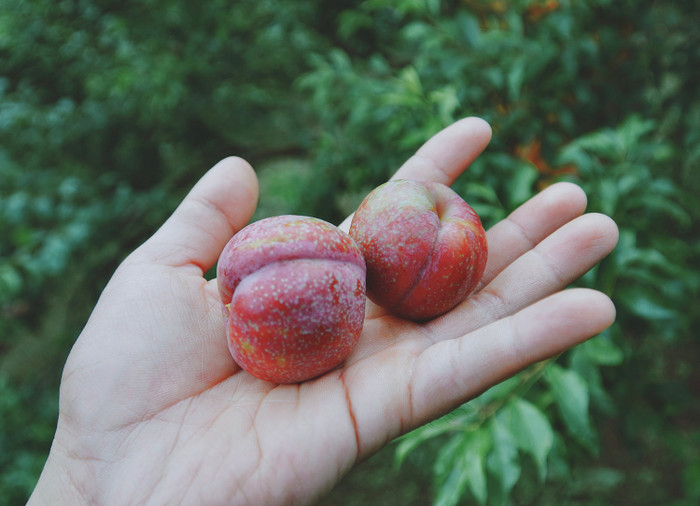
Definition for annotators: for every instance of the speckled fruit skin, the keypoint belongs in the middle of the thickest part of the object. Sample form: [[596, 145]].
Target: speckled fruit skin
[[424, 246], [293, 289]]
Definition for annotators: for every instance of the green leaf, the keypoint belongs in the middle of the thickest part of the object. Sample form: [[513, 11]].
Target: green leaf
[[446, 102], [433, 6], [461, 463], [521, 184], [515, 78], [410, 80], [588, 368], [602, 350], [648, 259], [406, 445], [478, 447], [531, 431], [463, 416], [477, 479], [468, 25], [644, 304], [480, 191], [608, 196], [596, 480], [500, 390], [633, 129], [691, 480], [10, 282], [413, 439], [603, 143], [661, 207], [502, 461], [450, 470], [352, 21], [571, 396], [452, 489]]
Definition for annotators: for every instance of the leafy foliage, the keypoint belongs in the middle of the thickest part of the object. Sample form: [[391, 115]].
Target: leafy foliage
[[561, 84], [110, 110], [22, 440]]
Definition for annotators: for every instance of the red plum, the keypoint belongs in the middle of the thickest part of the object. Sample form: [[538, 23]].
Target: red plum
[[293, 289], [424, 247]]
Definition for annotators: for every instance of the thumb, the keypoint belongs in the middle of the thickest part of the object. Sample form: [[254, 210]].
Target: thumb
[[219, 205]]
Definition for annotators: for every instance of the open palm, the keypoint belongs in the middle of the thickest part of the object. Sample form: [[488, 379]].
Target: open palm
[[153, 410]]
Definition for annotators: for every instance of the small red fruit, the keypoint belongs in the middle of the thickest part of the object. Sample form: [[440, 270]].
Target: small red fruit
[[293, 289], [424, 247]]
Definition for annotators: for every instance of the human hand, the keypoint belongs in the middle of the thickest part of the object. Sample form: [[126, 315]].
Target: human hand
[[153, 410]]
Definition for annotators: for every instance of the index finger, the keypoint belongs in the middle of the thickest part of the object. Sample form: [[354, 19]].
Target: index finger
[[219, 205], [445, 155], [448, 153]]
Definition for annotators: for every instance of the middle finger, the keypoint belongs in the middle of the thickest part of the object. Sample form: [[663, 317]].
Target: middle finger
[[550, 266]]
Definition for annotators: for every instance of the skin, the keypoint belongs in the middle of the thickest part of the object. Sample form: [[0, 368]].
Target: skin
[[424, 245], [293, 290], [153, 410]]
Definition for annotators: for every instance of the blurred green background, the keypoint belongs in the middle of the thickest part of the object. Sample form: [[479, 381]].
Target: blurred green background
[[110, 110]]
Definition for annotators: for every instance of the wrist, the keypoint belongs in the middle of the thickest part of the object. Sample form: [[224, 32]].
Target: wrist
[[57, 484]]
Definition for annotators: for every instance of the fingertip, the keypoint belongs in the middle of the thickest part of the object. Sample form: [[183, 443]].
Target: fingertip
[[449, 152], [221, 203], [571, 193], [594, 307], [600, 231], [473, 129], [234, 172], [609, 309], [608, 229], [555, 324], [238, 164], [478, 126], [455, 369]]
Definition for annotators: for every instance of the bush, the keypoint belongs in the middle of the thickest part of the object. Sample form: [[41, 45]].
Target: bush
[[114, 108], [561, 83]]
